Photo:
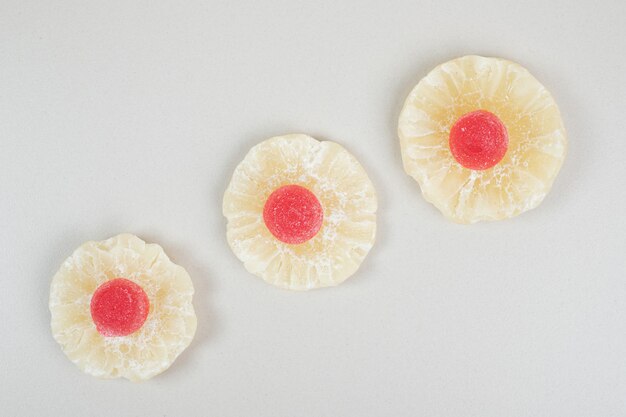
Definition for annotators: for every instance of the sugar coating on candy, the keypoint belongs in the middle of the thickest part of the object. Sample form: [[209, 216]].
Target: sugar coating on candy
[[119, 307], [478, 140], [293, 214]]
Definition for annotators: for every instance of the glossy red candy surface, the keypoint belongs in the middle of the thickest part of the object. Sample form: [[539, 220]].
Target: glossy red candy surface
[[478, 140], [293, 214], [119, 307]]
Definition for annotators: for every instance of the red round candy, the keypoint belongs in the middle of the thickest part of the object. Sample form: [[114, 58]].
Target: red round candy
[[293, 214], [478, 140], [119, 307]]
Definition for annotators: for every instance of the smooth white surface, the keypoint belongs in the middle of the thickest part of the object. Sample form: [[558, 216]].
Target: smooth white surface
[[128, 116]]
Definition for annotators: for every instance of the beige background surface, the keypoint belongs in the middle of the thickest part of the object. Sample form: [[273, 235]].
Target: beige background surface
[[131, 116]]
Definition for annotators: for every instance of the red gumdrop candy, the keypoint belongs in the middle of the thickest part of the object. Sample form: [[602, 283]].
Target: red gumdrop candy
[[478, 140], [293, 214], [119, 307]]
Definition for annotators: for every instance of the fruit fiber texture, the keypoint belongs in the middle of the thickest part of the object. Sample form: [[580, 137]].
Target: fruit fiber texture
[[168, 328], [536, 139], [345, 194], [293, 214]]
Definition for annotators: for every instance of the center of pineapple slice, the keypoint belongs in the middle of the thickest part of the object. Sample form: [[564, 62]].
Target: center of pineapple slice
[[119, 307], [478, 140], [293, 214]]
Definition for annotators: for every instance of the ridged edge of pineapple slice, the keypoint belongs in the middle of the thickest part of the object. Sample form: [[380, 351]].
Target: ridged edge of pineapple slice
[[167, 331], [537, 139], [344, 190]]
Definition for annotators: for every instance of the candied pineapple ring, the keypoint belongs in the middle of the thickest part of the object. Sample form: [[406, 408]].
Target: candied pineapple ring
[[121, 308], [483, 138], [301, 213]]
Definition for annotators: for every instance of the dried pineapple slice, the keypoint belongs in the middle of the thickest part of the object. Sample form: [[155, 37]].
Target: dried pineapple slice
[[286, 165], [81, 284], [536, 139]]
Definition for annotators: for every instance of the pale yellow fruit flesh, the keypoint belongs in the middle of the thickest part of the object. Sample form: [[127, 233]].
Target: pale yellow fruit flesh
[[169, 327], [344, 191], [537, 138]]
